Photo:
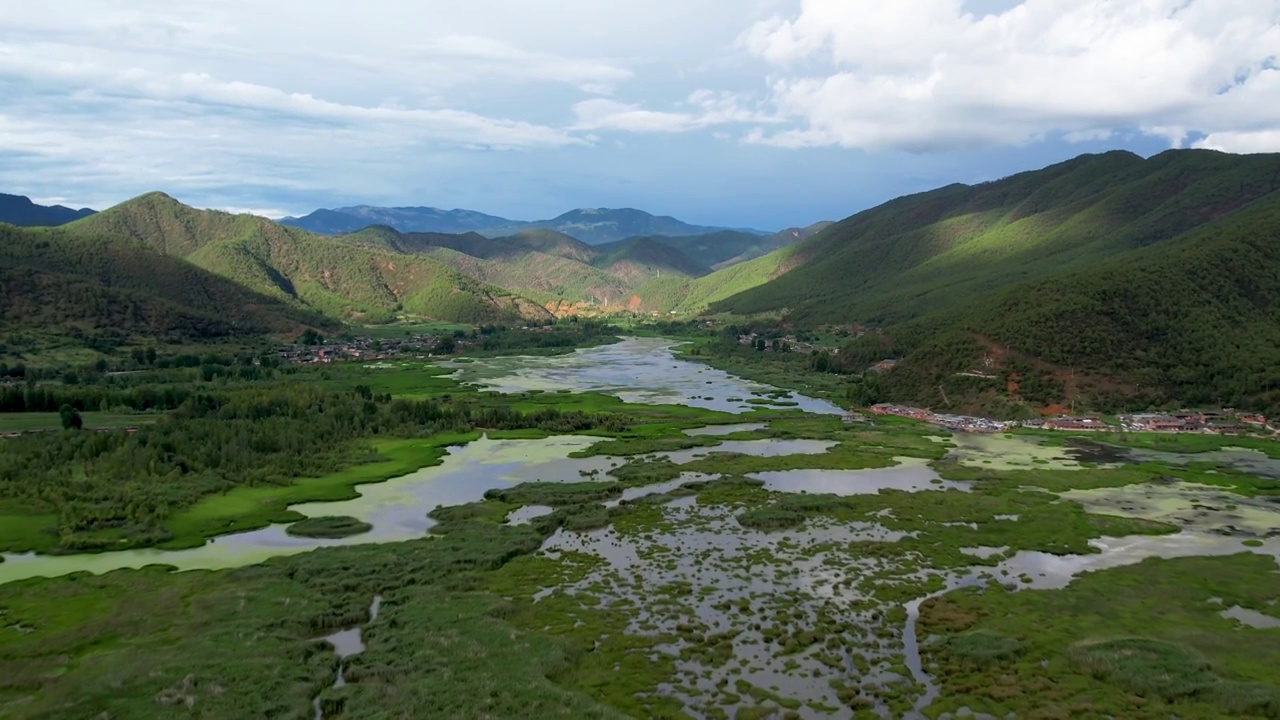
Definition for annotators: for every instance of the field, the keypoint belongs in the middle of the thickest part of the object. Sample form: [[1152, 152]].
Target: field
[[22, 422]]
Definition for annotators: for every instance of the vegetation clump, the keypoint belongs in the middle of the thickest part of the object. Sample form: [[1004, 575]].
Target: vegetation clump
[[770, 518], [329, 526]]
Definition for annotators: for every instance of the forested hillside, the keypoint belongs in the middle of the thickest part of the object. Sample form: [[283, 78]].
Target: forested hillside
[[342, 279], [730, 247], [548, 266], [100, 291], [1114, 276]]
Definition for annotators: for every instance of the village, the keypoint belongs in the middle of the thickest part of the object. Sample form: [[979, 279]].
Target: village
[[1215, 422]]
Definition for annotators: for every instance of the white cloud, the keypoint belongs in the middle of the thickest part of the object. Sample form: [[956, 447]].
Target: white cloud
[[1262, 141], [702, 109], [924, 74], [270, 213], [480, 57]]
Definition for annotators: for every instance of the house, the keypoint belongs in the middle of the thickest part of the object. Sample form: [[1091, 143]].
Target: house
[[1070, 423], [883, 366]]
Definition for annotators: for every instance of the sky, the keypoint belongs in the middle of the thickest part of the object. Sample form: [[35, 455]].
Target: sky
[[743, 113]]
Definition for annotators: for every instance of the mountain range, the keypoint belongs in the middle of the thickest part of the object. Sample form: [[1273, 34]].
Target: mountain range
[[1109, 279], [593, 226], [19, 210], [153, 267]]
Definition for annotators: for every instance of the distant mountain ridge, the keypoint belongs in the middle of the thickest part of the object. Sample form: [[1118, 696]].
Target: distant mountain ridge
[[342, 220], [562, 273], [593, 226], [21, 211], [310, 271]]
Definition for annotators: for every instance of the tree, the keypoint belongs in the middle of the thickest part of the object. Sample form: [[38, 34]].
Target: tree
[[71, 419], [311, 337], [865, 391]]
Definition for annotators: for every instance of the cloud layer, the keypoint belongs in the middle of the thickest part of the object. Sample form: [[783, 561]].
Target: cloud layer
[[254, 104], [926, 75]]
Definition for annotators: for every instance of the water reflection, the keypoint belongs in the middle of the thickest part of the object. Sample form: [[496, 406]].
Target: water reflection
[[637, 370], [397, 509], [909, 475]]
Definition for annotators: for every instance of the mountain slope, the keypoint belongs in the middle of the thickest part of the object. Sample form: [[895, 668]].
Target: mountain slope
[[339, 278], [729, 247], [777, 241], [595, 226], [404, 219], [19, 210], [102, 291], [559, 271], [637, 259], [1111, 275]]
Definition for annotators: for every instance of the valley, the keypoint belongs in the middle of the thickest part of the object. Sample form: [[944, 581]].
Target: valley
[[991, 451], [614, 531]]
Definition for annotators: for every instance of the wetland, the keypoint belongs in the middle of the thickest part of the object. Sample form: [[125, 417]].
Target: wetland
[[685, 553]]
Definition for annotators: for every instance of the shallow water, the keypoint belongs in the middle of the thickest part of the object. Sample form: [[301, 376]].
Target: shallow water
[[397, 509], [1051, 572], [1252, 462], [725, 429], [629, 371], [998, 451], [910, 475], [524, 515], [725, 583], [1251, 618], [635, 493], [760, 448], [1204, 508], [345, 644]]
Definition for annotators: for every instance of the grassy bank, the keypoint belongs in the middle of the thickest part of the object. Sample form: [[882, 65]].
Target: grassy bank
[[250, 508]]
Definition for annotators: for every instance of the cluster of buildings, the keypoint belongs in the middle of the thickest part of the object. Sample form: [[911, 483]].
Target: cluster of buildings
[[958, 423], [362, 349], [1224, 422], [969, 423]]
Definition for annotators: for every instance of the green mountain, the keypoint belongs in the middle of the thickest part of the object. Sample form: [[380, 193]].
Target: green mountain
[[364, 281], [562, 273], [730, 247], [554, 243], [404, 219], [595, 226], [1105, 277], [685, 295], [59, 289], [637, 259], [19, 210]]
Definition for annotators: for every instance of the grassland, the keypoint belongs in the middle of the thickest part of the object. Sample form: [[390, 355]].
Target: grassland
[[1140, 642]]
